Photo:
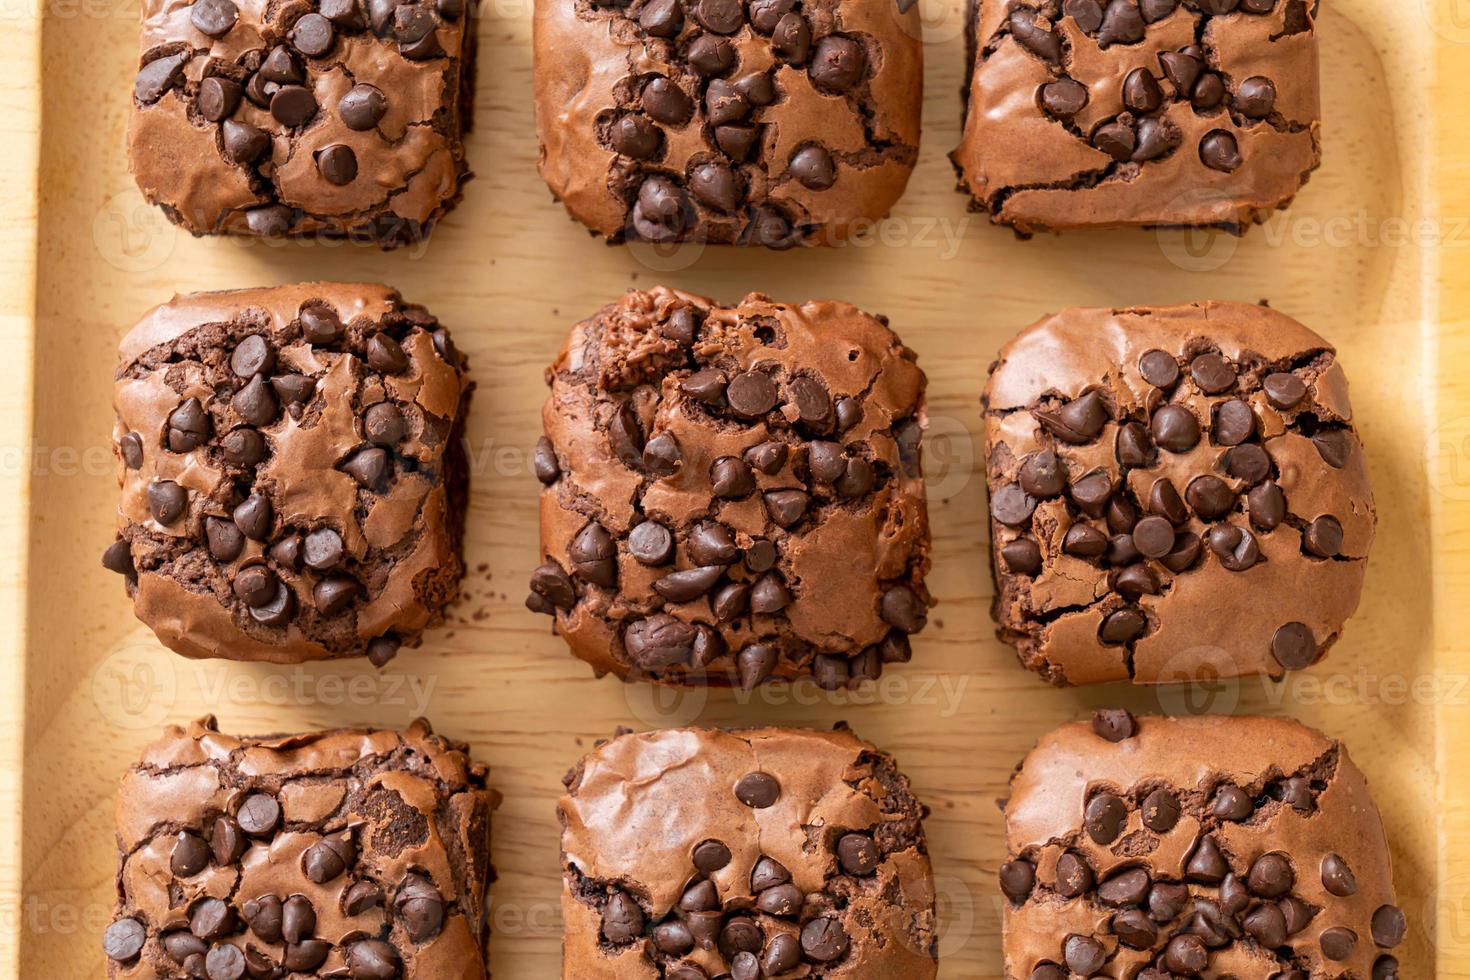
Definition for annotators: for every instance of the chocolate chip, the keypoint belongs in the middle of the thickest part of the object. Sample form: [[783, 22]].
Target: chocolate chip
[[167, 501], [1160, 811], [254, 517], [1159, 368], [1122, 24], [1074, 877], [293, 105], [1337, 877], [1154, 537], [688, 585], [1249, 463], [294, 389], [1064, 98], [1039, 40], [328, 859], [218, 97], [766, 14], [758, 790], [298, 919], [1141, 91], [1206, 864], [1105, 818], [1088, 14], [363, 107], [211, 919], [1219, 151], [337, 164], [124, 939], [1294, 647], [1113, 724], [1338, 943], [666, 102], [189, 856], [1212, 373], [1122, 626], [1256, 97], [1182, 69], [593, 553], [659, 641], [1271, 876], [786, 507], [824, 940], [661, 18], [213, 18], [1022, 556], [258, 814], [544, 462], [902, 609], [333, 595], [1210, 497], [1323, 537], [270, 221], [1233, 423], [188, 427], [814, 168], [307, 956], [255, 403], [1186, 955], [1209, 92], [1129, 887], [838, 64], [651, 543], [1017, 880], [367, 467], [1175, 428], [1389, 926], [791, 41], [1284, 391], [715, 186], [1234, 546], [371, 959], [1012, 506], [710, 56], [711, 856], [1156, 10], [1335, 446], [1083, 954], [752, 394], [385, 355], [420, 907], [313, 35], [1084, 541]]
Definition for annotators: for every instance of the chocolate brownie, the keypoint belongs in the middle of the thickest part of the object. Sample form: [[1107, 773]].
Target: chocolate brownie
[[770, 123], [1209, 846], [335, 118], [1174, 493], [733, 494], [694, 853], [1089, 113], [293, 472], [352, 854]]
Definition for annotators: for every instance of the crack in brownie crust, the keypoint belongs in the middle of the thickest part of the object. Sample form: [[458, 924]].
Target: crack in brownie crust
[[696, 853], [292, 470], [776, 123], [1088, 113], [1174, 493], [355, 854], [1135, 854], [733, 494], [337, 119]]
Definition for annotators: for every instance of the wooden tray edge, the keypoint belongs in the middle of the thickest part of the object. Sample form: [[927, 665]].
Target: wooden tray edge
[[20, 120], [1450, 498]]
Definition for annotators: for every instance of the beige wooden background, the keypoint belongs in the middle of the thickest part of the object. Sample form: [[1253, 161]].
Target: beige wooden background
[[85, 687]]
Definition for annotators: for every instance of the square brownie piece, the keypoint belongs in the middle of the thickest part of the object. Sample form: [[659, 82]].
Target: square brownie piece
[[354, 854], [1096, 113], [1206, 846], [337, 118], [695, 853], [292, 470], [768, 123], [1176, 493], [734, 494]]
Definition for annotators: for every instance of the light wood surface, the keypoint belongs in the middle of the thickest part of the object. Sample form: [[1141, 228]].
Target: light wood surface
[[510, 274]]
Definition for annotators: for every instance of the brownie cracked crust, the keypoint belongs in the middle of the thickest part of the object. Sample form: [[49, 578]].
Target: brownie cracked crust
[[775, 123], [1096, 113], [733, 494], [1175, 493], [695, 853], [292, 470], [337, 118], [1209, 846], [350, 854]]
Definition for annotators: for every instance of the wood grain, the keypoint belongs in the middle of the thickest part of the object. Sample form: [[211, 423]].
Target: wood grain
[[510, 274]]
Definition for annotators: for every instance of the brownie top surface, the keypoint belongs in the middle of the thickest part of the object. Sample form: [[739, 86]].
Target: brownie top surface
[[772, 449]]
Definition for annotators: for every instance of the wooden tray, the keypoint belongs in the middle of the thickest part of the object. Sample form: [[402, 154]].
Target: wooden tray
[[82, 258]]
